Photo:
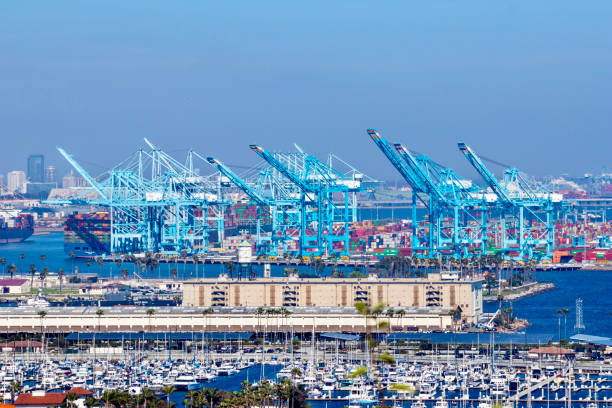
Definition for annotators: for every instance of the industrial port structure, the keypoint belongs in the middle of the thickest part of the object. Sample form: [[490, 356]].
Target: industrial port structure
[[160, 205]]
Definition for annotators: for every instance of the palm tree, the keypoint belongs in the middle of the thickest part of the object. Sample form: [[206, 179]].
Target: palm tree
[[400, 313], [147, 396], [100, 262], [42, 314], [42, 258], [21, 257], [32, 273], [124, 273], [3, 263], [196, 260], [168, 390], [72, 256], [12, 268], [565, 313], [205, 313], [108, 396], [212, 395], [71, 399], [390, 313], [43, 275], [373, 313], [231, 267], [60, 276], [190, 398], [174, 273], [99, 313], [119, 262], [150, 313], [14, 389], [91, 402], [184, 258], [454, 313]]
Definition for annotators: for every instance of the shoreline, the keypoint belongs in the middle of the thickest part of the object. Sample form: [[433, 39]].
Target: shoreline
[[522, 292]]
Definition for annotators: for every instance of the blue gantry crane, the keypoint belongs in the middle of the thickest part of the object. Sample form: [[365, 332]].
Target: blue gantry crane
[[458, 212], [422, 231], [456, 218], [166, 212], [519, 204], [279, 211], [324, 204]]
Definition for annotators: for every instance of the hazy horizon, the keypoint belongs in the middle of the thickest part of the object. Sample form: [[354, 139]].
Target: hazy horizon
[[525, 83]]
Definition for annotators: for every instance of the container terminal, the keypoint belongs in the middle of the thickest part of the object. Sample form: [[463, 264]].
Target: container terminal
[[293, 206]]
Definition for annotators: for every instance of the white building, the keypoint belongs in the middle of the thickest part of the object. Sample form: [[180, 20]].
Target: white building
[[16, 181], [11, 286], [71, 181]]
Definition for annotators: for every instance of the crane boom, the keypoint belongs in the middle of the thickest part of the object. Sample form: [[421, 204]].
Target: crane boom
[[396, 161], [484, 172], [227, 172], [284, 170], [418, 171], [83, 173]]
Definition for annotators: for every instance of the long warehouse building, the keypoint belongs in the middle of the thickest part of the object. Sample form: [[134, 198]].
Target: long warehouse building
[[464, 295]]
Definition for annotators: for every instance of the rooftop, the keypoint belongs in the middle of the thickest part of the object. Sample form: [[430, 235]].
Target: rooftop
[[34, 398], [551, 350], [431, 278], [12, 282]]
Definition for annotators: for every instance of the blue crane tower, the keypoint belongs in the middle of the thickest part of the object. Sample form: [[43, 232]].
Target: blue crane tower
[[277, 209], [455, 221], [324, 221], [459, 213], [422, 231], [518, 204], [166, 211]]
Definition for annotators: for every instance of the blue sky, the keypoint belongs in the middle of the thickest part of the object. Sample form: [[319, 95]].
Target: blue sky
[[527, 83]]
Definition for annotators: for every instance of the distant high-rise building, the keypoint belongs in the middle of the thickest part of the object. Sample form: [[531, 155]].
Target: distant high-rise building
[[70, 180], [50, 174], [36, 168], [15, 181]]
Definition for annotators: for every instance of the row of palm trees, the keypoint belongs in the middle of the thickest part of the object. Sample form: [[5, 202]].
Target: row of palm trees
[[281, 394], [265, 394], [406, 266]]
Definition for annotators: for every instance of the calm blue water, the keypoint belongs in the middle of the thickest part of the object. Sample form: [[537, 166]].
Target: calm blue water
[[52, 246], [540, 310]]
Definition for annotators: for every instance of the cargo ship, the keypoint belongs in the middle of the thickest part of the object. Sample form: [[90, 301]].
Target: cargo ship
[[87, 235], [15, 226]]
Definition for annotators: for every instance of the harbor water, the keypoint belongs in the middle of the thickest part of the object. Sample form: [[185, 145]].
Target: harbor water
[[539, 310]]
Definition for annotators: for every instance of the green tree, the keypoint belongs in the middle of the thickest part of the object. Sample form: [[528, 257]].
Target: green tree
[[372, 314], [60, 277], [168, 390], [71, 399], [41, 315], [14, 388], [212, 396], [21, 258], [150, 313], [12, 268]]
